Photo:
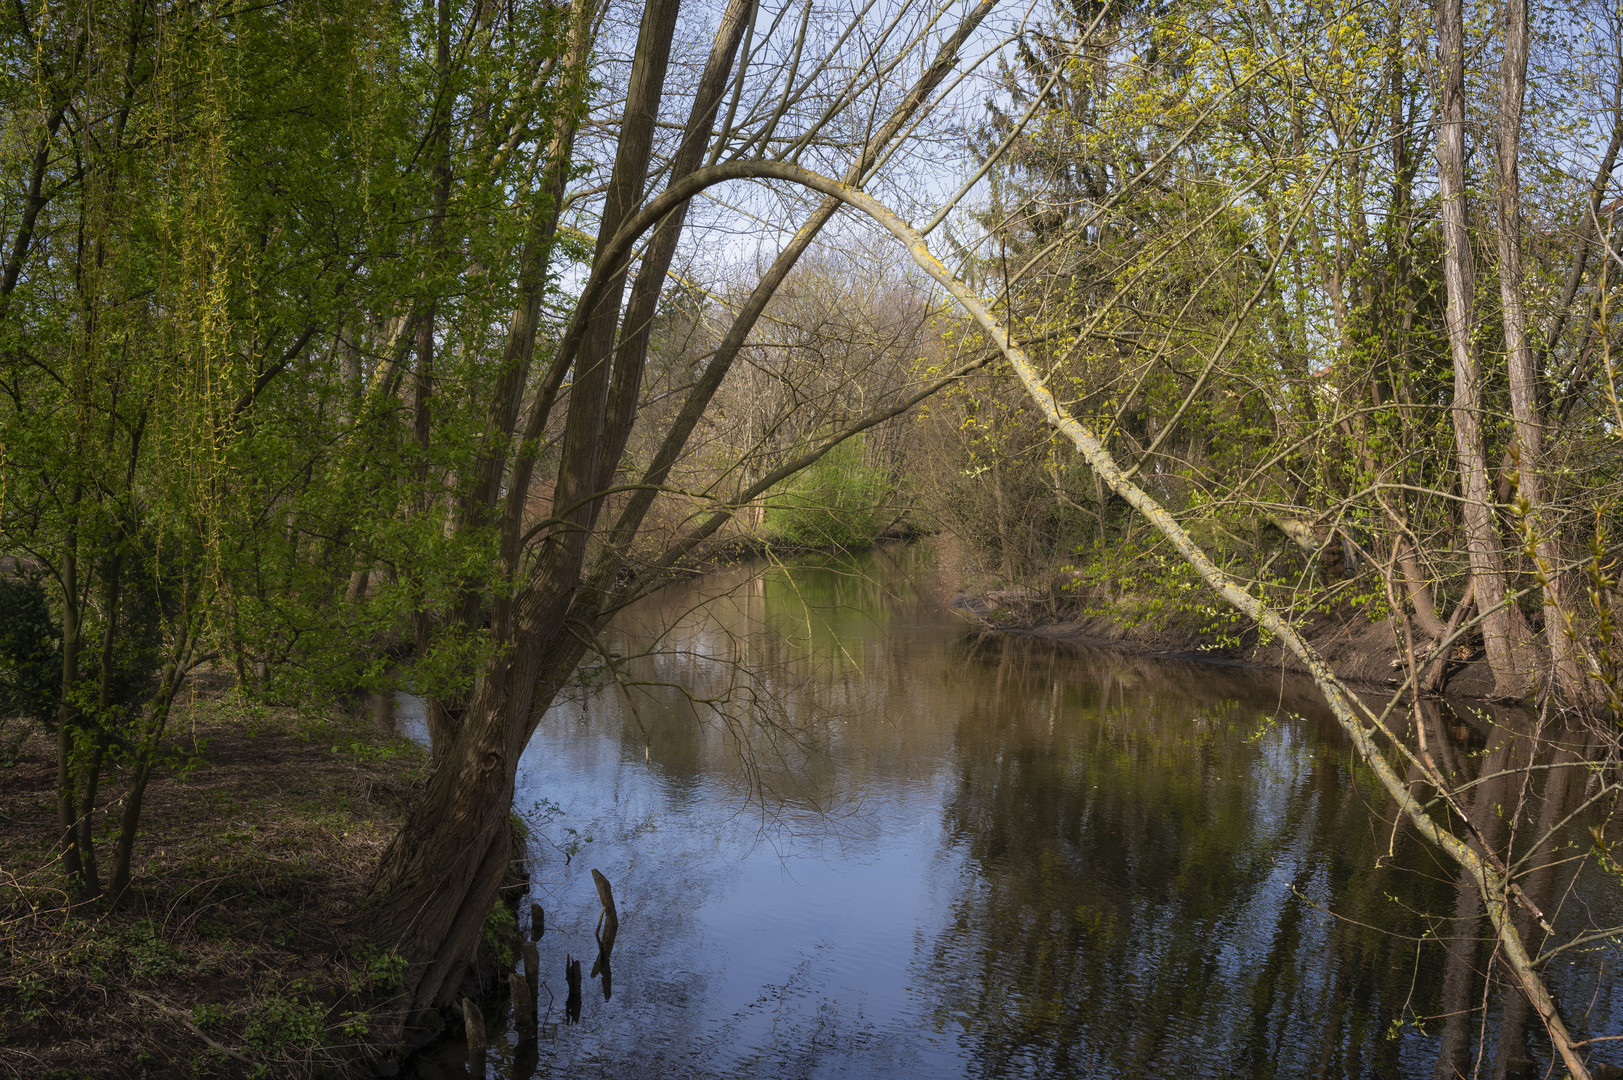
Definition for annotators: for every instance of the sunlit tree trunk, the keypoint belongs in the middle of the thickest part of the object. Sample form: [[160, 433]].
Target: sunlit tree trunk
[[1504, 632], [1524, 405]]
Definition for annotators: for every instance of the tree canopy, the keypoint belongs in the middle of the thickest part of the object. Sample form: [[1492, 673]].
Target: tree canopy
[[349, 345]]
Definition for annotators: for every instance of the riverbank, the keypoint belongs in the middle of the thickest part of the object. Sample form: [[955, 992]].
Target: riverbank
[[737, 550], [1363, 652], [237, 951]]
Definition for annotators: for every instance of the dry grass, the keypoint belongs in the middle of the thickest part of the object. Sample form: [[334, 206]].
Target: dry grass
[[234, 953]]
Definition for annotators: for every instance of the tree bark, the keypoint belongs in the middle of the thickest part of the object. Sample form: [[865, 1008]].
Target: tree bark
[[1503, 631], [1418, 589], [438, 879], [1524, 405]]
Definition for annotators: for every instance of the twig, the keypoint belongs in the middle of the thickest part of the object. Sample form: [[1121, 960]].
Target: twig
[[186, 1020]]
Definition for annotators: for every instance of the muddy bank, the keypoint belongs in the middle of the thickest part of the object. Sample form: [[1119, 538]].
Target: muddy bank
[[1362, 652]]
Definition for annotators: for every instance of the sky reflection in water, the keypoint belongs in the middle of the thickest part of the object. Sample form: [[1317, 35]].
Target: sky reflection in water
[[999, 857]]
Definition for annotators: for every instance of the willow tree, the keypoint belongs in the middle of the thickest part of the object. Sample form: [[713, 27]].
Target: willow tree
[[176, 255], [562, 572]]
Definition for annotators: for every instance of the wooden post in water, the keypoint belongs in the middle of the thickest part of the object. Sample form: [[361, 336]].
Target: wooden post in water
[[532, 969], [605, 894], [538, 921], [523, 1007], [608, 923], [473, 1022], [572, 977]]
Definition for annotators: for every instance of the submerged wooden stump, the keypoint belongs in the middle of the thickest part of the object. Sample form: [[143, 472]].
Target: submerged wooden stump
[[608, 926], [532, 969], [538, 921], [473, 1022], [523, 1007], [605, 894], [572, 977]]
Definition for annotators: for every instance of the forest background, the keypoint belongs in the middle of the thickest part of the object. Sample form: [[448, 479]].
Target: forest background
[[348, 347]]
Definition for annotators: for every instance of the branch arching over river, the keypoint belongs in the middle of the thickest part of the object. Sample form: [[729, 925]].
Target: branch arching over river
[[1493, 885]]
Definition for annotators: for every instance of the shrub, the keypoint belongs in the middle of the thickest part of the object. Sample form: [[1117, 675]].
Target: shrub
[[838, 502], [30, 650]]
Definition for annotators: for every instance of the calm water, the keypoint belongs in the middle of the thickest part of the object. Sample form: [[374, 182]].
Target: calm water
[[849, 837]]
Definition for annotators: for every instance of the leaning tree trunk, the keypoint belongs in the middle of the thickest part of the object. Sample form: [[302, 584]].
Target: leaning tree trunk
[[1568, 677], [438, 880], [1504, 633], [439, 877]]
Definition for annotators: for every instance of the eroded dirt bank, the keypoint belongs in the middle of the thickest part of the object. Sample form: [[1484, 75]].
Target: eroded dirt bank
[[1364, 653]]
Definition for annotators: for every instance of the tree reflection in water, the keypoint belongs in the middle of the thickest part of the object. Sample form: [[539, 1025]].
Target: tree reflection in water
[[851, 838], [1165, 886]]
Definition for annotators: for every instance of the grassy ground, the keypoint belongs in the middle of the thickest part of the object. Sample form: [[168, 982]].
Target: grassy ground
[[235, 952]]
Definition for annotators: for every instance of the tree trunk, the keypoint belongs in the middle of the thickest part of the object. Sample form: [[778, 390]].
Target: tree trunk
[[151, 734], [1504, 633], [438, 879], [1524, 406], [73, 863], [637, 330], [441, 719], [1418, 589]]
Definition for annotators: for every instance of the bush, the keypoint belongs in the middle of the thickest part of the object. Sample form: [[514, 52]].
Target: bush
[[30, 650], [839, 502]]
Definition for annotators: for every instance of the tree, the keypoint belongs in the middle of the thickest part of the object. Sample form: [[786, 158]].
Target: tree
[[562, 575], [1364, 457], [373, 402], [165, 271]]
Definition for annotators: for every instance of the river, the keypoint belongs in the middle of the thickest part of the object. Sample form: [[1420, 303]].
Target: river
[[850, 836]]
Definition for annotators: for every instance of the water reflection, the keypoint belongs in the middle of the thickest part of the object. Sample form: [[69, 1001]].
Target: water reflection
[[849, 837]]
